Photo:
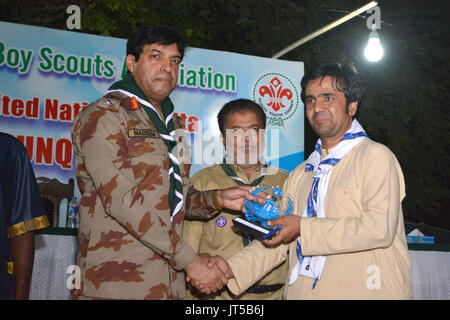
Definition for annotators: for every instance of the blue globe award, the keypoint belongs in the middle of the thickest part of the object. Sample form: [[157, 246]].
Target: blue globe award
[[256, 216]]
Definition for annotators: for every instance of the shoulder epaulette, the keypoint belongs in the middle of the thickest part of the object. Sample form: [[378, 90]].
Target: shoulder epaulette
[[111, 100]]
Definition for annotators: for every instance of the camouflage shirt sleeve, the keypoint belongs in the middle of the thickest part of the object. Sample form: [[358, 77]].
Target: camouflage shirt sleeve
[[199, 205]]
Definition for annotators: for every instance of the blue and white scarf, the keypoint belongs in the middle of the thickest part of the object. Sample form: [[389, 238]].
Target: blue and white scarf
[[312, 266]]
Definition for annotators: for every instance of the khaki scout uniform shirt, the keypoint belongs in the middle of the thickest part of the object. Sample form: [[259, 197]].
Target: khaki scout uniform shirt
[[362, 236], [218, 236], [128, 246]]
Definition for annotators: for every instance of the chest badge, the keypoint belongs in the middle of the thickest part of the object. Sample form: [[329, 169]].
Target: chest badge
[[221, 222]]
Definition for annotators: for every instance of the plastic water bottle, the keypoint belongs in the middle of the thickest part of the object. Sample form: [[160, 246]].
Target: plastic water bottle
[[73, 220]]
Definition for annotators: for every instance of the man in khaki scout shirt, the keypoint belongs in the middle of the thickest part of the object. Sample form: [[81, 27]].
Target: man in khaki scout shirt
[[135, 189], [347, 238], [243, 118]]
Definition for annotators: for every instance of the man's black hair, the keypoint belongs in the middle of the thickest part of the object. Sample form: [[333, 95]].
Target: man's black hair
[[154, 34], [346, 79], [240, 105]]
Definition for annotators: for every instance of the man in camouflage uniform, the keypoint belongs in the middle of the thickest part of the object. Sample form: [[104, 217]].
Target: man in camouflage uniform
[[217, 236], [135, 192]]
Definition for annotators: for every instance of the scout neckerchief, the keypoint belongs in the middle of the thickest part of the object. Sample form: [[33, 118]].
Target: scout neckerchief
[[229, 172], [312, 266], [165, 129]]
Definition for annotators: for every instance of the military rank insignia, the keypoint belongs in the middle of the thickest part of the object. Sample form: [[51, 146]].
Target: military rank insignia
[[134, 103]]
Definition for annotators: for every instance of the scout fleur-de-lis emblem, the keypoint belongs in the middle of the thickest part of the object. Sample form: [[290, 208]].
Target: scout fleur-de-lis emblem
[[278, 96], [276, 93]]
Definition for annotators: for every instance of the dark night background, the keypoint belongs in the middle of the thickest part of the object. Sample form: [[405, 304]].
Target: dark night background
[[406, 106]]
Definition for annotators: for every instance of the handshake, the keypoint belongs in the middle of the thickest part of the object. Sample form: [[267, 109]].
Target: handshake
[[208, 274]]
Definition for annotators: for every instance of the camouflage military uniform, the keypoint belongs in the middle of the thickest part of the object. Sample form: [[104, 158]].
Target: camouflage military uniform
[[128, 246], [218, 236]]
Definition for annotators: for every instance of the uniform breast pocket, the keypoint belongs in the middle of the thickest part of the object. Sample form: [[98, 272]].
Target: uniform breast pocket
[[147, 157], [343, 202], [141, 146]]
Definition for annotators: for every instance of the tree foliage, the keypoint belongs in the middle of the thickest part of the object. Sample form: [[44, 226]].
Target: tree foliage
[[407, 92]]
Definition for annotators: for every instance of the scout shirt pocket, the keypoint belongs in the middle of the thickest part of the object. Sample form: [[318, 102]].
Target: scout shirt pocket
[[147, 152], [343, 202]]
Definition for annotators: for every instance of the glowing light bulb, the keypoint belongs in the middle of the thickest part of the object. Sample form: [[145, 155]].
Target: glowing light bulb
[[373, 51]]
